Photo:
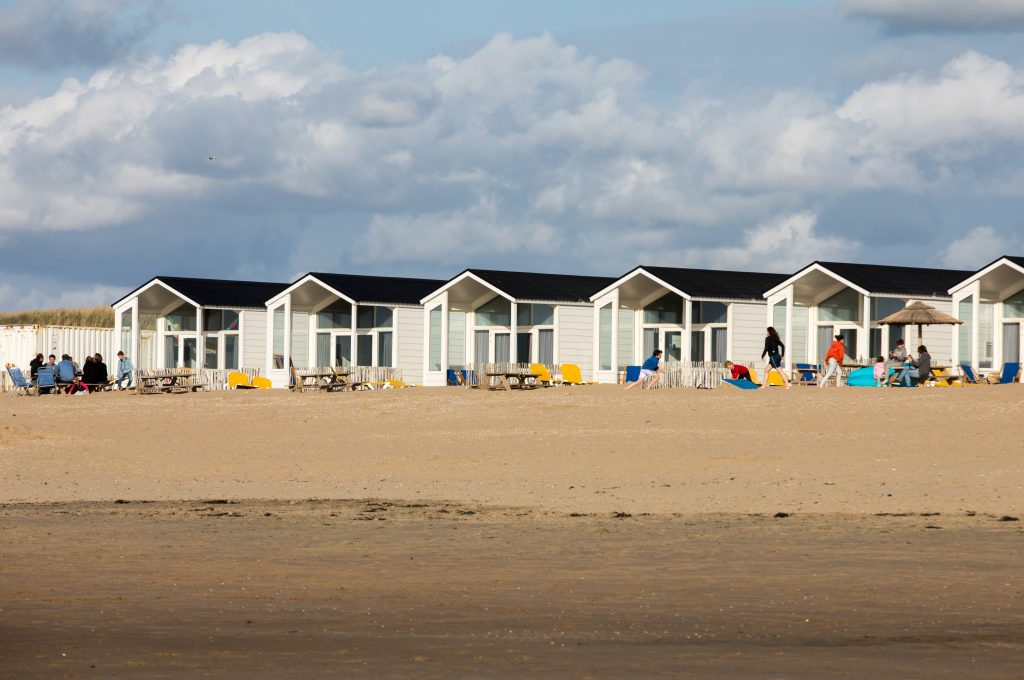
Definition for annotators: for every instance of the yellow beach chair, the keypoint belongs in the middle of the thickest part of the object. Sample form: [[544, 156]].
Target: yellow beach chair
[[571, 375], [238, 381], [773, 378], [397, 384], [261, 383], [543, 374]]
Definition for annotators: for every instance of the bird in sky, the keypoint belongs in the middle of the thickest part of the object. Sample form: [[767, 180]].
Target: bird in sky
[[212, 158]]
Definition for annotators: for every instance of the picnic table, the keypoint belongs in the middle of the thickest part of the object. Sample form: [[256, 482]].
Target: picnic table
[[505, 379], [324, 380], [167, 381]]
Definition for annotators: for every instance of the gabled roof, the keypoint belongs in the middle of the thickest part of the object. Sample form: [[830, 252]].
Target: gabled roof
[[884, 279], [710, 283], [215, 292], [549, 287], [1014, 261], [381, 289], [880, 278]]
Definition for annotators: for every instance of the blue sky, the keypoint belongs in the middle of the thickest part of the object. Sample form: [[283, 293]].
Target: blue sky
[[420, 138]]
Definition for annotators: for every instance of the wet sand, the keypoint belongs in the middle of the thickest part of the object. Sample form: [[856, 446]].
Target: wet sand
[[605, 546]]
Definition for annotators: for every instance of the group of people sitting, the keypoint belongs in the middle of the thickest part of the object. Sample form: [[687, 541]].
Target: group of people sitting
[[92, 376], [911, 369]]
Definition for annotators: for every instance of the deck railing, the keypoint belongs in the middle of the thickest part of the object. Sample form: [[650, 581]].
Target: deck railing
[[706, 375]]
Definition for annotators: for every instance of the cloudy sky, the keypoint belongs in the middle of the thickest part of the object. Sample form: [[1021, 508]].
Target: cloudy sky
[[584, 136]]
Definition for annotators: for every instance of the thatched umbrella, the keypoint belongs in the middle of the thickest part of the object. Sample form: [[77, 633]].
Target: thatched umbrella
[[922, 315]]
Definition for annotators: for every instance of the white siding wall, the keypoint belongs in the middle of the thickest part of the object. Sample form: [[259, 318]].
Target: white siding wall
[[254, 321], [938, 339], [799, 351], [456, 339], [748, 324], [626, 319], [576, 337], [409, 324], [300, 338]]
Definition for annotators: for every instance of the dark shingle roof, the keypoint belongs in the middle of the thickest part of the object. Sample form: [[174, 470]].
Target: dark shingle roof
[[880, 278], [1019, 260], [219, 292], [554, 287], [385, 289], [709, 283]]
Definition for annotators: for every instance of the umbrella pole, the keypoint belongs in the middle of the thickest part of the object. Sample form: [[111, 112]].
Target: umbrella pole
[[920, 334]]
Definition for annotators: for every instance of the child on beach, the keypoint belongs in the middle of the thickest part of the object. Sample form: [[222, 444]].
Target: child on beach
[[881, 372], [738, 372], [650, 371]]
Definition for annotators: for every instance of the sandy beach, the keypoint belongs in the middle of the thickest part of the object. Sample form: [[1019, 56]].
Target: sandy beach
[[566, 532]]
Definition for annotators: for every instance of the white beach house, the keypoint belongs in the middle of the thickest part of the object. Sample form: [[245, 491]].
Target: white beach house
[[486, 316], [174, 321], [828, 298], [690, 314], [347, 320], [990, 302]]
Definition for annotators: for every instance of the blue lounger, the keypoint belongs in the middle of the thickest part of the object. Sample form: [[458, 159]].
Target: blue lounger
[[632, 373], [862, 377], [742, 384]]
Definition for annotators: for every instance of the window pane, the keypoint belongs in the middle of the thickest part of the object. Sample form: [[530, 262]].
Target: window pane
[[825, 337], [523, 315], [189, 353], [523, 348], [666, 309], [323, 350], [843, 306], [435, 339], [543, 315], [383, 317], [481, 349], [546, 347], [384, 348], [986, 334], [885, 306], [279, 319], [338, 314], [1013, 307], [674, 345], [343, 351], [181, 319], [965, 312], [496, 312], [364, 347], [718, 338], [365, 319], [170, 351], [779, 319], [875, 348], [231, 352], [850, 340], [650, 342], [126, 331], [710, 312], [605, 338], [210, 354], [502, 348], [212, 320], [1011, 342], [230, 320], [697, 346]]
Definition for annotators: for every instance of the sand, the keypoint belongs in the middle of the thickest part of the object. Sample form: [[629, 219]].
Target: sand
[[567, 532]]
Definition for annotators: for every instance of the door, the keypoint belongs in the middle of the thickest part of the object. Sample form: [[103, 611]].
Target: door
[[343, 350], [211, 353], [145, 358], [650, 342], [673, 345], [718, 344], [502, 348], [1011, 342], [190, 352], [481, 347]]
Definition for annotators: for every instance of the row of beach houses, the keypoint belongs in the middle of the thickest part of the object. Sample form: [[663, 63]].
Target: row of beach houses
[[426, 327]]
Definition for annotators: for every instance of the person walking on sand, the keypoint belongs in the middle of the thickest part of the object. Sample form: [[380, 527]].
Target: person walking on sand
[[651, 370], [773, 352], [833, 360]]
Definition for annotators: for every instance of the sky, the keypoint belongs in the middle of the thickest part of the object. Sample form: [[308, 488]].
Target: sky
[[262, 140]]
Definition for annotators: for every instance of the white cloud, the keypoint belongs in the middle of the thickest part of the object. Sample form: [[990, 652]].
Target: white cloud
[[980, 246], [909, 16]]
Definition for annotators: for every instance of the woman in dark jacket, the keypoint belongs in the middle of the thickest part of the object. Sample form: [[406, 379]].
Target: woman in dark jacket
[[774, 350]]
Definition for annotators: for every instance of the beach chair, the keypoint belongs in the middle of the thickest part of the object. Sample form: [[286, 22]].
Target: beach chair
[[543, 374], [45, 380], [571, 375], [1009, 374], [22, 387], [805, 374], [942, 377], [774, 378], [455, 378], [742, 384], [632, 374], [968, 375], [396, 384], [239, 381], [261, 383]]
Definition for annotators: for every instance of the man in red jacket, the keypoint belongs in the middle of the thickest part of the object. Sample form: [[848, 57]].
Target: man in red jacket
[[833, 360]]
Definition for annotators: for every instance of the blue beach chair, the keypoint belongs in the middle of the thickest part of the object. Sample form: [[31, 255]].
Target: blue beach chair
[[632, 373], [742, 384], [21, 386], [806, 374], [1011, 369], [45, 380], [970, 376]]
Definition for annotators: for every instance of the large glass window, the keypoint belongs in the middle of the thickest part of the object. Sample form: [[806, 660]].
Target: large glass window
[[343, 351], [882, 307], [965, 312], [535, 315], [435, 339], [338, 314], [181, 319], [215, 320], [779, 319], [364, 350], [369, 316], [850, 340], [211, 354], [495, 312], [843, 306], [986, 334], [650, 342], [126, 331], [171, 343], [696, 345], [666, 309], [604, 338], [231, 352], [502, 348], [384, 340], [546, 347], [323, 349], [718, 344], [523, 348], [278, 338], [709, 312], [1013, 307]]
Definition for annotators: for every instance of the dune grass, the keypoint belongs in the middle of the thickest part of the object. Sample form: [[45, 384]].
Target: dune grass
[[90, 317]]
